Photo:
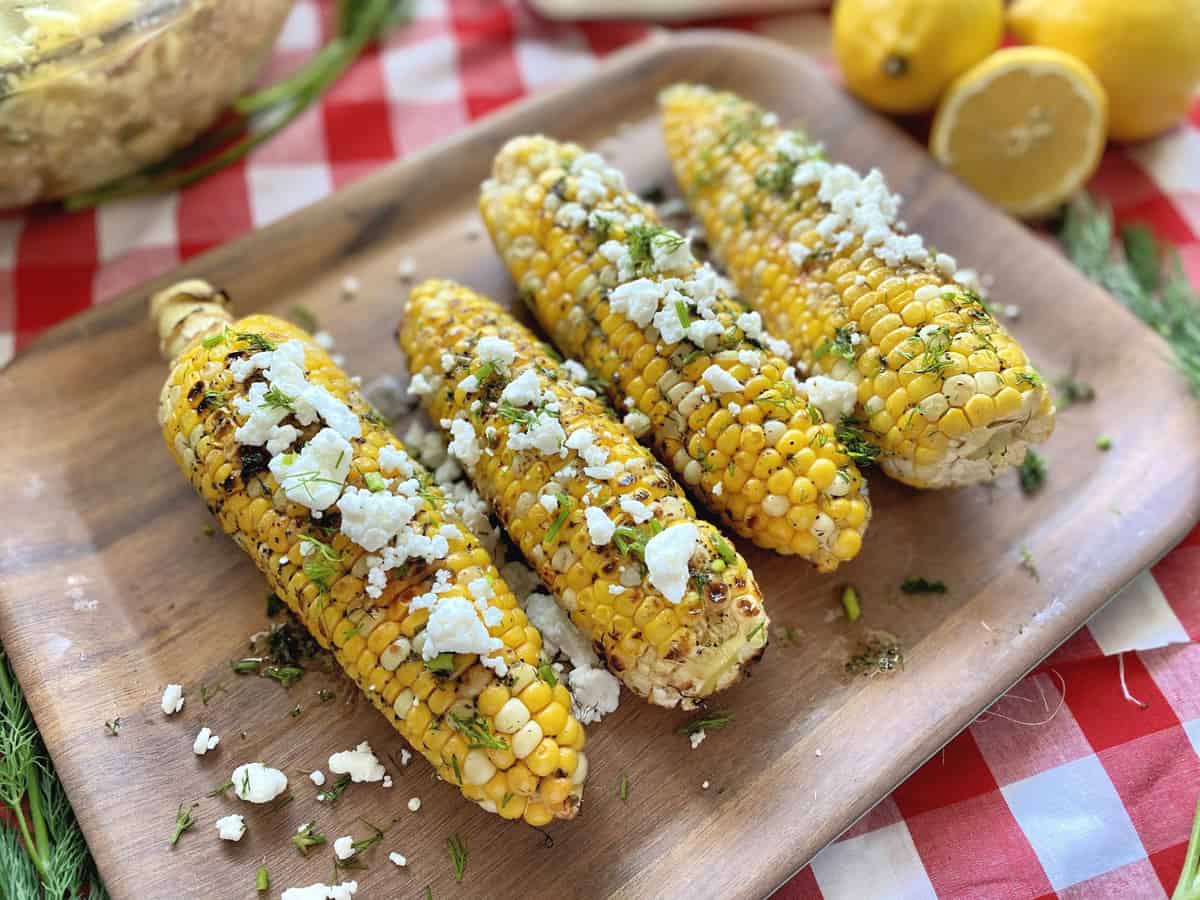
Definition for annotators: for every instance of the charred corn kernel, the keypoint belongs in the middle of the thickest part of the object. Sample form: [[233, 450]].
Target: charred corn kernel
[[543, 759], [373, 634], [656, 327], [526, 739], [856, 297], [549, 500]]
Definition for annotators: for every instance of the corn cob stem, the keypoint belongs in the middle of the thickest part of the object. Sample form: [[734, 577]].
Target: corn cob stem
[[488, 723], [626, 297], [941, 387], [583, 506]]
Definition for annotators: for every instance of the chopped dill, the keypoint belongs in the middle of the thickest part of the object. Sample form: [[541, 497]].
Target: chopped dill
[[922, 585], [1032, 472], [710, 721]]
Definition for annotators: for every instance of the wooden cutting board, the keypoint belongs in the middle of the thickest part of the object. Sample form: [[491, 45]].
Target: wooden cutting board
[[109, 589]]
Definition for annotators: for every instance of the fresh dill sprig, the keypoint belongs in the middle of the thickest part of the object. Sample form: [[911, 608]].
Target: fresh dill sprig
[[851, 435], [876, 657], [1144, 274], [259, 343], [320, 563], [442, 664], [113, 726], [642, 239], [307, 838], [921, 585], [631, 540], [623, 787], [841, 344], [457, 771], [458, 856], [183, 821], [546, 673], [1032, 472], [851, 604], [333, 793], [565, 505], [478, 732], [277, 399], [710, 721]]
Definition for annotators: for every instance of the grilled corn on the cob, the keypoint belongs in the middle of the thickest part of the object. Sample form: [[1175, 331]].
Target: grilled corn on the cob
[[626, 297], [942, 388], [669, 601], [328, 509]]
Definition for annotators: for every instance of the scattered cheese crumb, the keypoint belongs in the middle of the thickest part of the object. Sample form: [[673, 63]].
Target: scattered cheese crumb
[[397, 859], [343, 891], [835, 399], [405, 756], [414, 804], [231, 828], [343, 847], [704, 786], [637, 422], [387, 781], [594, 693], [697, 738], [407, 269], [722, 382], [351, 286], [360, 764], [205, 741], [172, 699], [317, 777], [256, 783], [636, 508], [600, 527]]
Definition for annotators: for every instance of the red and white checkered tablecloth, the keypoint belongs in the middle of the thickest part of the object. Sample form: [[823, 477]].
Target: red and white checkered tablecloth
[[1064, 789]]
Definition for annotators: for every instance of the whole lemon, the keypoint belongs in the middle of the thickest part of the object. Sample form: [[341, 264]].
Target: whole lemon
[[1146, 53], [900, 55]]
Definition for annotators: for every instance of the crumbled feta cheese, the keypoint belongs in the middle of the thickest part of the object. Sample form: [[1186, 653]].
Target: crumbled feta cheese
[[600, 527], [464, 445], [343, 891], [751, 358], [343, 847], [387, 781], [704, 786], [798, 253], [360, 764], [373, 518], [718, 489], [394, 462], [350, 285], [616, 589], [496, 350], [636, 508], [700, 330], [315, 476], [575, 370], [672, 252], [697, 738], [317, 777], [667, 556], [667, 320], [324, 340], [284, 370], [405, 756], [637, 422], [558, 631], [205, 741], [543, 434], [583, 391], [424, 383], [835, 399], [637, 300], [594, 693], [256, 783], [570, 215], [469, 385], [414, 804], [549, 503], [231, 828], [524, 390], [172, 699], [720, 380], [454, 626], [397, 859]]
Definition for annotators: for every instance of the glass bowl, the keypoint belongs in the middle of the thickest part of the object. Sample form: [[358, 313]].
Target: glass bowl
[[92, 90]]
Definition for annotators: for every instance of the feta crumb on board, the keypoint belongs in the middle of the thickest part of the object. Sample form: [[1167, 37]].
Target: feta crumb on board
[[343, 891], [595, 693], [405, 756], [414, 804], [256, 783], [172, 699], [231, 828], [387, 781], [351, 285], [361, 764], [397, 859], [697, 738], [317, 777], [205, 741], [343, 847]]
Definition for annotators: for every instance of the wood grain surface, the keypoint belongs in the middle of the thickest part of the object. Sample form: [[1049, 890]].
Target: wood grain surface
[[109, 588]]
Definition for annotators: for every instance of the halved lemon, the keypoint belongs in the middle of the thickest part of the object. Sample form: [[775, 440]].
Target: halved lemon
[[1025, 128]]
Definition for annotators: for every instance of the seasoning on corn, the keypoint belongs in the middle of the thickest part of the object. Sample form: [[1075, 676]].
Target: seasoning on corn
[[279, 442], [660, 592], [627, 297], [942, 389]]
